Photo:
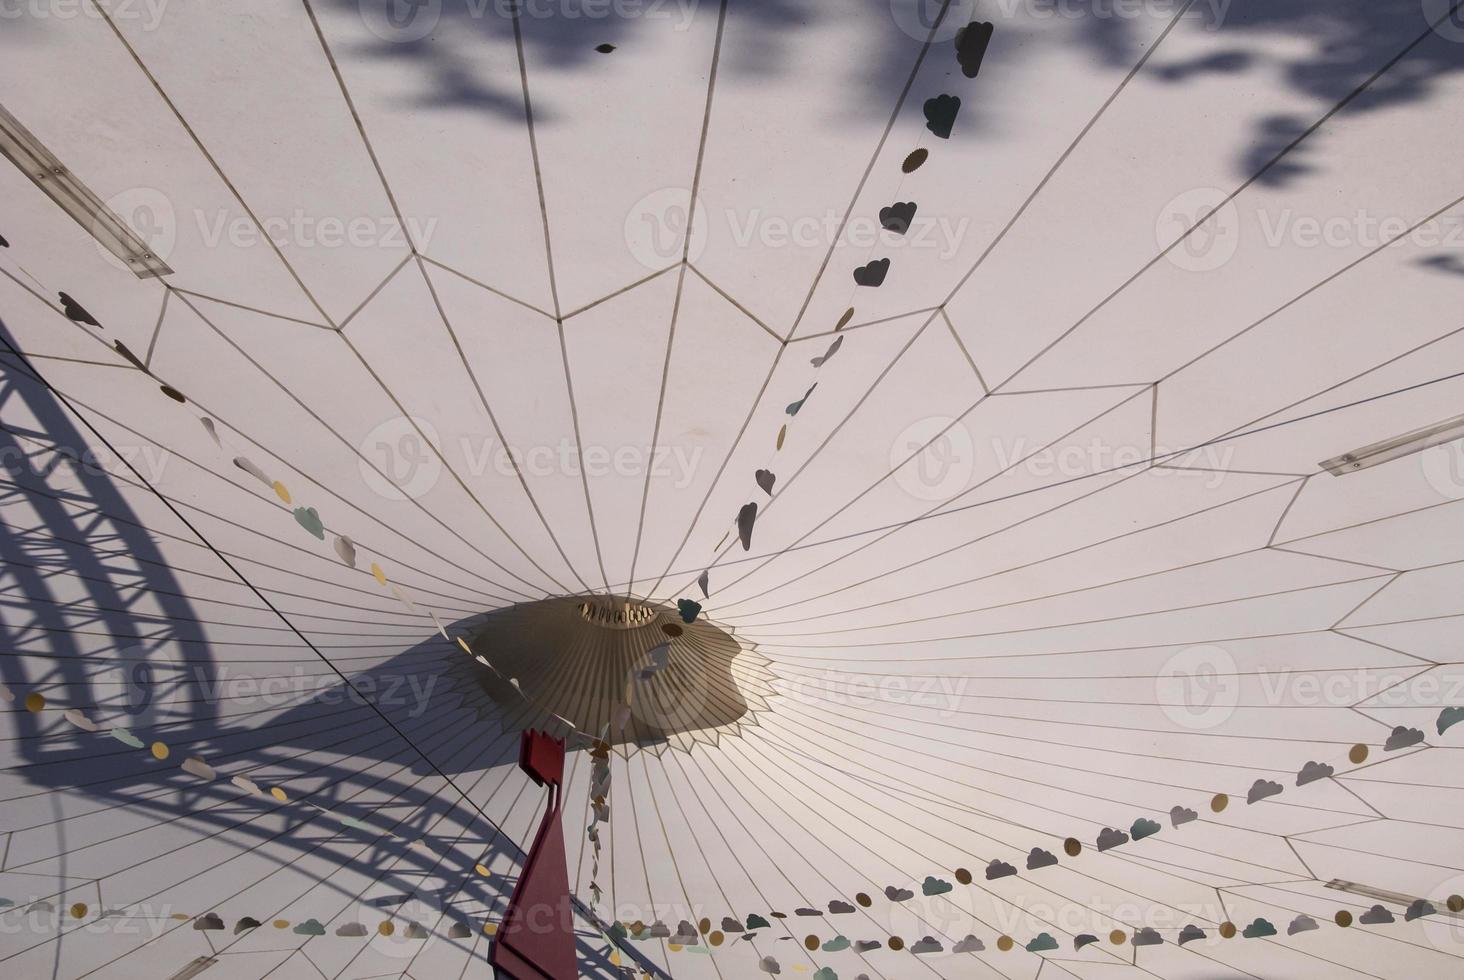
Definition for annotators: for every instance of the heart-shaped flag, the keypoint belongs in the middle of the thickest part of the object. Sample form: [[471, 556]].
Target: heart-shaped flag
[[940, 114], [823, 359], [872, 273], [745, 519], [76, 312], [897, 217]]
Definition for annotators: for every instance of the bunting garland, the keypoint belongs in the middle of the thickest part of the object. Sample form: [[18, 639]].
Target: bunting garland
[[940, 113], [690, 937]]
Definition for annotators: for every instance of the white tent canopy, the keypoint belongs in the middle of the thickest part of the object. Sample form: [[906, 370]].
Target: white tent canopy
[[337, 334]]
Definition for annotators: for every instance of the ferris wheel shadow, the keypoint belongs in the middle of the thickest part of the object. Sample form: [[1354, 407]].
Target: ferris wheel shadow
[[90, 611]]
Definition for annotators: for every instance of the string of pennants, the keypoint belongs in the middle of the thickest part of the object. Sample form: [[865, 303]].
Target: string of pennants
[[212, 922], [36, 703], [971, 43], [703, 937], [659, 658]]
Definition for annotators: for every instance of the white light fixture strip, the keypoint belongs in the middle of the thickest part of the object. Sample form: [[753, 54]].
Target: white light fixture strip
[[76, 199], [194, 968], [1389, 449], [1381, 895]]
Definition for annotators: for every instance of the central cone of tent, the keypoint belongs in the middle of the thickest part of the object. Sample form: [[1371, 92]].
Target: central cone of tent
[[631, 672]]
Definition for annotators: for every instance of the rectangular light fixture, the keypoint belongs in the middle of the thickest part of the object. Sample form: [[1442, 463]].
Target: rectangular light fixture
[[194, 968], [1379, 895], [62, 186], [1389, 449]]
